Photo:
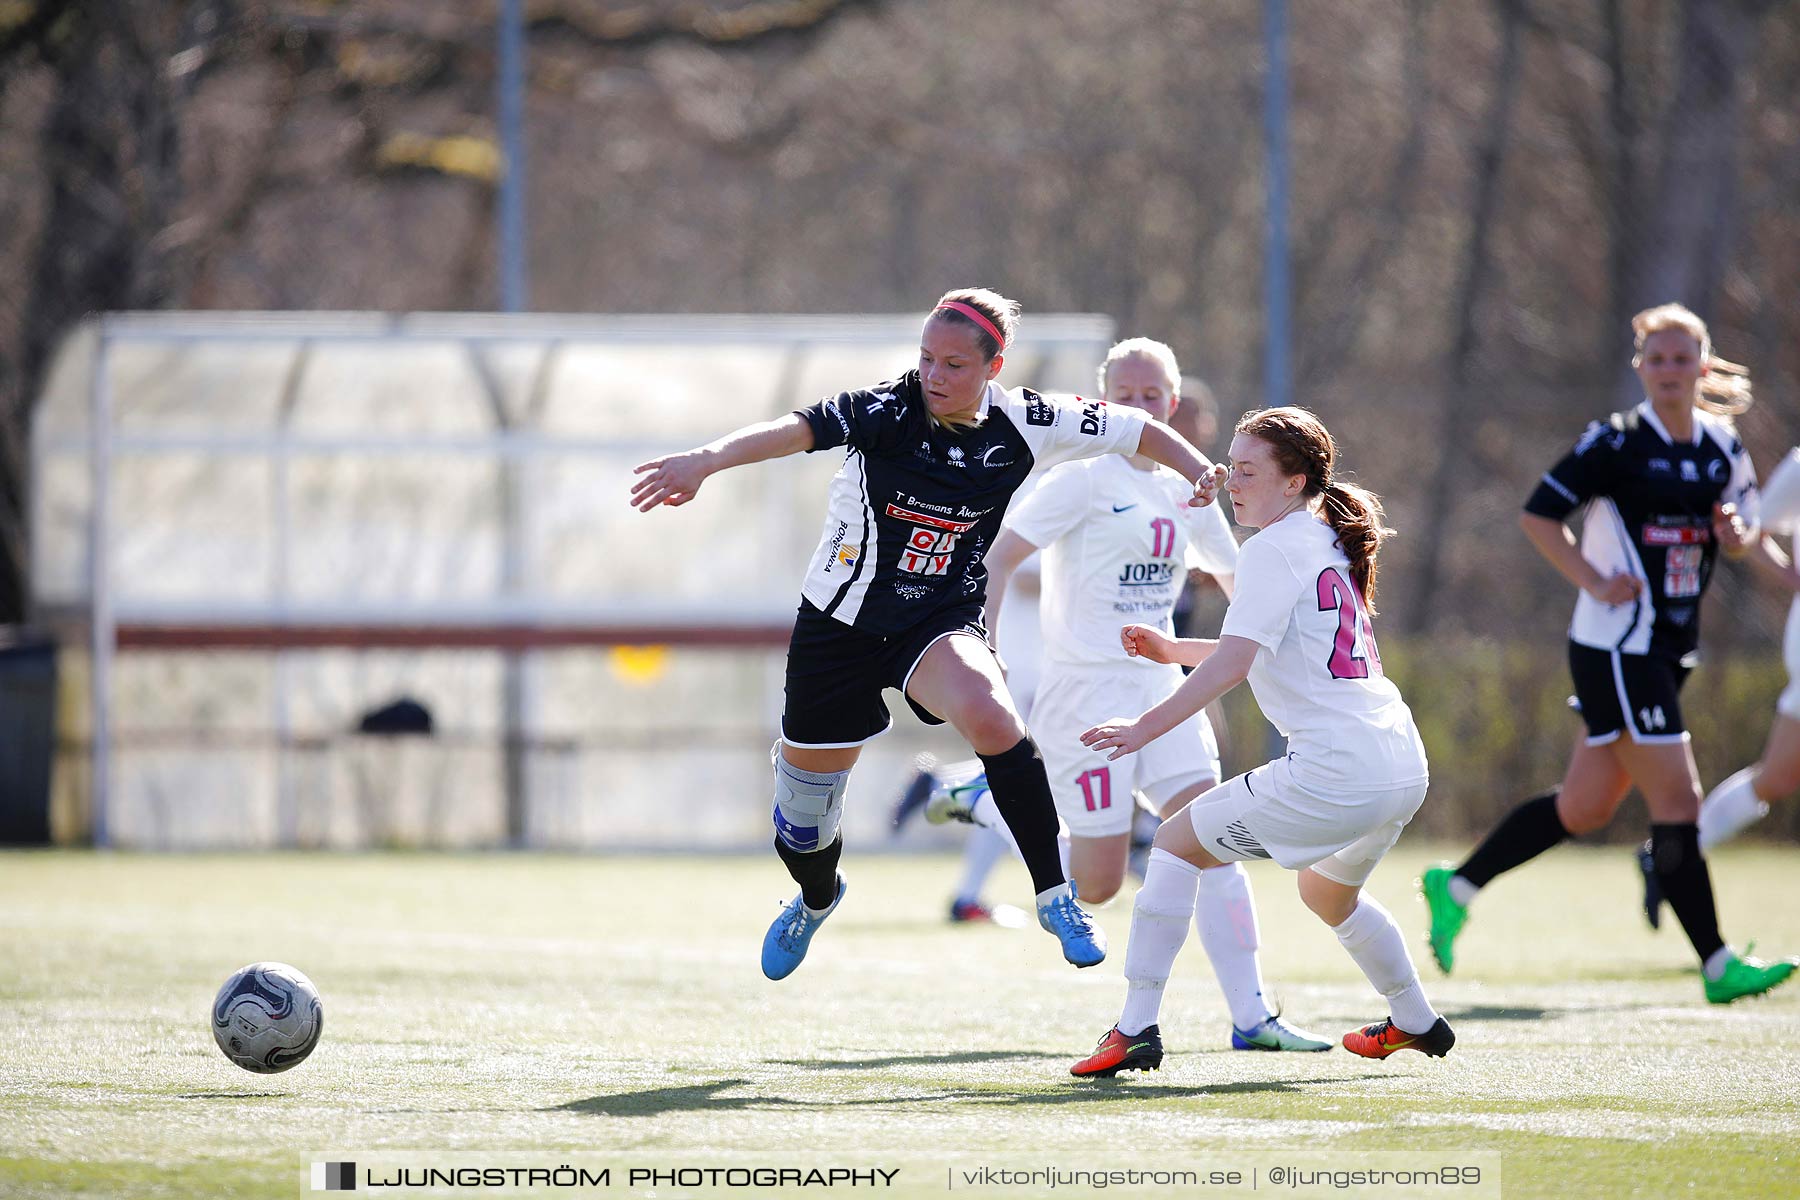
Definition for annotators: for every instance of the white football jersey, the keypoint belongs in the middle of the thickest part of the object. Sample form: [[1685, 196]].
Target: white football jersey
[[1781, 514], [1117, 544], [1317, 676], [1020, 642]]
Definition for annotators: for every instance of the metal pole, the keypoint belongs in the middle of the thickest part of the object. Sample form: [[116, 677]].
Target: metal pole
[[103, 634], [287, 807], [514, 284], [1277, 382]]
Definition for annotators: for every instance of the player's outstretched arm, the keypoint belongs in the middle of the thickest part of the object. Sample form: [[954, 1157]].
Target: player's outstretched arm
[[674, 480], [1147, 641], [1161, 444], [1224, 669]]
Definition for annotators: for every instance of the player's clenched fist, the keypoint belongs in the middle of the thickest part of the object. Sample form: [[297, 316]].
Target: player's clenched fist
[[1145, 641]]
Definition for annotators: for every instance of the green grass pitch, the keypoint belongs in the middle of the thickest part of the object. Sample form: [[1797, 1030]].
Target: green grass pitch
[[613, 1006]]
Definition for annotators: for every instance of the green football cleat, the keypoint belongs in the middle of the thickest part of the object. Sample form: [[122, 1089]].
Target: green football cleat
[[1447, 916], [1747, 977]]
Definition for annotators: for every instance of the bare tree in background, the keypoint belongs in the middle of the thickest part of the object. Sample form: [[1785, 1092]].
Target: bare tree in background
[[1459, 397], [1674, 245], [110, 151]]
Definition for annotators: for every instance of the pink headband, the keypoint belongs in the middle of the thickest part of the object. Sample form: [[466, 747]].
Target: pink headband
[[974, 314]]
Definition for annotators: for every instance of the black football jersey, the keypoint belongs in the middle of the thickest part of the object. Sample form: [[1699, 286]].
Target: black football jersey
[[1650, 504], [915, 506]]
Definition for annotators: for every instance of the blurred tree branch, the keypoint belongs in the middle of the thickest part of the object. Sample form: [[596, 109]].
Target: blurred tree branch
[[1459, 400], [110, 151], [1674, 246]]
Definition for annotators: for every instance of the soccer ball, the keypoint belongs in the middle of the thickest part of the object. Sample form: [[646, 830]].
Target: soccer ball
[[267, 1017]]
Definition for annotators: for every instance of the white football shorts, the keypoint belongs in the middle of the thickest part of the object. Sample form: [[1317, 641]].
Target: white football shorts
[[1789, 703], [1094, 796], [1266, 813]]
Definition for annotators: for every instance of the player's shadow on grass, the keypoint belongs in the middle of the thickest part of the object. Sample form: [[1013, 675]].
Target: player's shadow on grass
[[656, 1102], [233, 1095], [910, 1060], [1492, 1012], [1104, 1091]]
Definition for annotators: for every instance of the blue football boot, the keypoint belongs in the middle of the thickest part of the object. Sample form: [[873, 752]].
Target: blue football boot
[[784, 946], [1083, 942]]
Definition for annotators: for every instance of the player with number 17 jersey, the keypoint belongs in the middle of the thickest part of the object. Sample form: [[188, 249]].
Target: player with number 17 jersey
[[1116, 542]]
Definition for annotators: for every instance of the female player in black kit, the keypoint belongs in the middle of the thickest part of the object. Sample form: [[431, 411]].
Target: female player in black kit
[[893, 596], [1667, 483]]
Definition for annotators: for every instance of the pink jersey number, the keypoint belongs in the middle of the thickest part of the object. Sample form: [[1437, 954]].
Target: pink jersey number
[[1162, 538], [1096, 787], [1336, 592]]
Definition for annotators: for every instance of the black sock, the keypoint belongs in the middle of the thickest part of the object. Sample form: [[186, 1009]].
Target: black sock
[[816, 873], [1527, 832], [1687, 884], [1021, 789]]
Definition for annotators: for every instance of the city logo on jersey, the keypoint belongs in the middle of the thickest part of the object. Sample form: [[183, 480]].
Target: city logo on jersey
[[993, 457], [1676, 535], [932, 543], [1093, 417], [1146, 574], [1038, 411], [1715, 470]]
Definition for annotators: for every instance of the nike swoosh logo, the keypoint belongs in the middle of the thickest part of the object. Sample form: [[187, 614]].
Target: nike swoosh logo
[[1119, 508]]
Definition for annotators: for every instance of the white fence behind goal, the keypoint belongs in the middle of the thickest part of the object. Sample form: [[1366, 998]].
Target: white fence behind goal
[[301, 518]]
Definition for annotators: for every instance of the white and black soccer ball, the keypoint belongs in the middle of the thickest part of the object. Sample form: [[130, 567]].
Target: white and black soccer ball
[[267, 1017]]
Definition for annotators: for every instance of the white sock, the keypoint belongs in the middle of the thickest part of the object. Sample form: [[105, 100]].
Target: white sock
[[1462, 891], [983, 849], [1716, 962], [1159, 924], [1225, 916], [960, 771], [1375, 942], [987, 815], [1730, 808]]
